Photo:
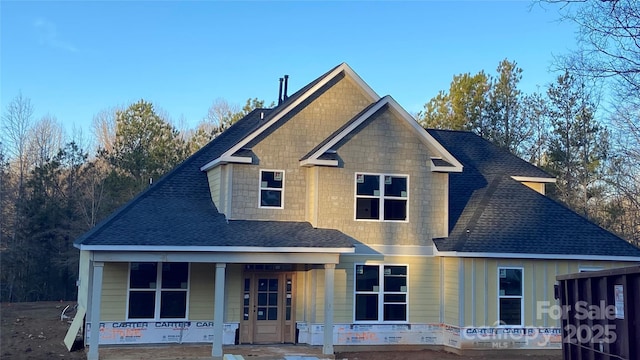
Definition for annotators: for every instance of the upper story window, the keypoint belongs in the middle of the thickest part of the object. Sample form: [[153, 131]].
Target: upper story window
[[381, 197], [271, 188], [158, 290]]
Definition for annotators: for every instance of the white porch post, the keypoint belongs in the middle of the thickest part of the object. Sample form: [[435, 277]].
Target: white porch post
[[218, 311], [96, 294], [329, 275]]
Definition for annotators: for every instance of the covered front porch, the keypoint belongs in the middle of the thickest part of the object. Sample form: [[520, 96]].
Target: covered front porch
[[252, 292]]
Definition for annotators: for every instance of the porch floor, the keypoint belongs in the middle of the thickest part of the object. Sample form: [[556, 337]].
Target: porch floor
[[203, 352]]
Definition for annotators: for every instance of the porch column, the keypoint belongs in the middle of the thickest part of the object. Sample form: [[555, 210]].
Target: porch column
[[96, 294], [329, 275], [218, 311]]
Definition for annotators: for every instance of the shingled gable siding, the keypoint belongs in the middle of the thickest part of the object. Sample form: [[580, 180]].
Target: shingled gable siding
[[214, 178], [481, 294], [384, 145], [340, 101], [311, 214]]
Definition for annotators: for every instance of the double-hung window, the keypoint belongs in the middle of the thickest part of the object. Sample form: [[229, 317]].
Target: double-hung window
[[510, 298], [271, 188], [158, 290], [381, 197], [381, 293]]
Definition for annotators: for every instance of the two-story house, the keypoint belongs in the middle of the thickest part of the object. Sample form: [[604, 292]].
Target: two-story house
[[334, 219]]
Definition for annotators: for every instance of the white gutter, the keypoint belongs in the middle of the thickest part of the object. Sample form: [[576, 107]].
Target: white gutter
[[247, 249]]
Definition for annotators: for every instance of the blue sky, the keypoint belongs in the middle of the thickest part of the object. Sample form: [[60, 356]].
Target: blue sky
[[76, 58]]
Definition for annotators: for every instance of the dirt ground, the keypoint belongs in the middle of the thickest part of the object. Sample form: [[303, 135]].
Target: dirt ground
[[35, 331]]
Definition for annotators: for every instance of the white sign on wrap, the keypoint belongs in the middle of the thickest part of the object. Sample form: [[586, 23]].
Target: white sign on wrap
[[158, 332]]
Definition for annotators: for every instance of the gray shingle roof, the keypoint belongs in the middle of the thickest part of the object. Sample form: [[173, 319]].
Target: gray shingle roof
[[177, 211], [492, 213]]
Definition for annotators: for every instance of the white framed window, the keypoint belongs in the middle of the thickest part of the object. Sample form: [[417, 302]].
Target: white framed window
[[381, 293], [271, 189], [381, 197], [510, 296], [158, 290]]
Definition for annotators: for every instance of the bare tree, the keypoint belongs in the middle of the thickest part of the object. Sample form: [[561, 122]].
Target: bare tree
[[16, 124], [46, 138], [104, 128]]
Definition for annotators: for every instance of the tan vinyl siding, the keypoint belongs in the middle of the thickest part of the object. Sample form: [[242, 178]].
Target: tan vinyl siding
[[115, 278], [215, 182], [201, 291], [312, 196], [330, 108], [383, 145]]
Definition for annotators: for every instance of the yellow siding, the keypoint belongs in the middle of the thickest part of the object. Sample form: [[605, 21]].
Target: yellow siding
[[451, 299], [234, 282], [344, 291], [114, 292], [299, 279], [539, 279], [319, 294], [469, 299], [424, 288], [201, 291]]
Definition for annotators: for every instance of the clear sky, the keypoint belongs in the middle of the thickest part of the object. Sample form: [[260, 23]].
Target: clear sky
[[76, 58]]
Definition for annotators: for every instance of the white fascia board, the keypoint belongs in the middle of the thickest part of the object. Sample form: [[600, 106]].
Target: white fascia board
[[394, 250], [318, 162], [236, 249], [536, 256], [533, 179], [342, 67], [226, 159]]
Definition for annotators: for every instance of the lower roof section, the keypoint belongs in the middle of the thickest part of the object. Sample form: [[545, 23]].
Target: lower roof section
[[229, 257]]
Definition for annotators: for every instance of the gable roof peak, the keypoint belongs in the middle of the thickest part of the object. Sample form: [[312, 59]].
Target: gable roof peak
[[289, 105]]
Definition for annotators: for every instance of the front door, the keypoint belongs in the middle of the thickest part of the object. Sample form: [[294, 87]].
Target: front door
[[268, 313]]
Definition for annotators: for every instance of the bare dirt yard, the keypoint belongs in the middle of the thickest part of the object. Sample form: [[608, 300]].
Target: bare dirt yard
[[36, 330]]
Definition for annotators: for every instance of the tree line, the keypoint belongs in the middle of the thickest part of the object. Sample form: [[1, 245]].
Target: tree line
[[54, 188]]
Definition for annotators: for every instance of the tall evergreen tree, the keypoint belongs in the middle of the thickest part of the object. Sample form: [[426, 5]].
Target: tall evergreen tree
[[146, 147], [578, 144]]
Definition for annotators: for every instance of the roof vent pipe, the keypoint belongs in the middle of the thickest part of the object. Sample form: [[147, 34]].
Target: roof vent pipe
[[280, 92], [286, 82]]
